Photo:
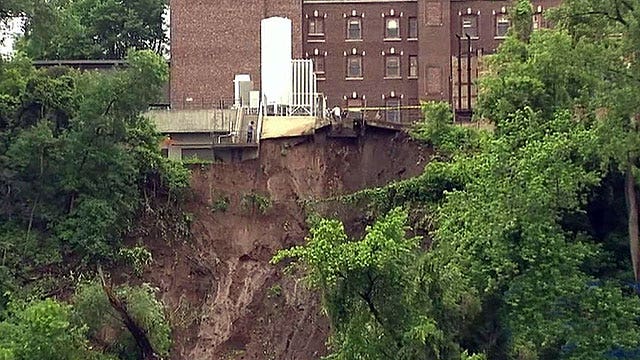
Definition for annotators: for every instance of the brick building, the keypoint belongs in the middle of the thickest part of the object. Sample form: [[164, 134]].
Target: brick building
[[374, 53]]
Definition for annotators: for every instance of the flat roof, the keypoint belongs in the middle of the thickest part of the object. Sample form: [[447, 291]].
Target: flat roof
[[353, 1], [78, 62]]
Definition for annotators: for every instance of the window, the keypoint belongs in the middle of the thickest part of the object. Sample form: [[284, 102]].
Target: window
[[413, 66], [393, 110], [392, 28], [316, 26], [354, 103], [413, 28], [502, 25], [318, 64], [354, 29], [392, 67], [470, 26], [354, 66], [538, 21]]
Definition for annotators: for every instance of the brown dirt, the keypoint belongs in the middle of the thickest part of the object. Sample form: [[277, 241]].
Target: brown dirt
[[225, 300]]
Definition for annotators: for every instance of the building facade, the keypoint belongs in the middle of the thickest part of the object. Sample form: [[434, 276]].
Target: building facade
[[367, 53]]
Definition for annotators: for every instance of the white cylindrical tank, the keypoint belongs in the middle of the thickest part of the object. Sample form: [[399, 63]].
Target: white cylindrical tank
[[276, 53]]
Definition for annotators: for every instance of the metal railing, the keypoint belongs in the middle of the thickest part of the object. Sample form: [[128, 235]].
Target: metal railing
[[201, 103]]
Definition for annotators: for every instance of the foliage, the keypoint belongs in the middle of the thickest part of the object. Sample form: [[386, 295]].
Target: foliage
[[77, 156], [138, 257], [522, 20], [79, 163], [274, 291], [254, 201], [438, 130], [92, 29], [370, 291], [219, 203], [92, 307], [43, 330], [520, 264]]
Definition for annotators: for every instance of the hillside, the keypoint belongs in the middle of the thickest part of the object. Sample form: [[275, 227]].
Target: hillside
[[225, 299]]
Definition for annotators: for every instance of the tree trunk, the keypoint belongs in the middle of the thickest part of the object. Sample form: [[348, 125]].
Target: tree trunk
[[138, 333], [632, 207]]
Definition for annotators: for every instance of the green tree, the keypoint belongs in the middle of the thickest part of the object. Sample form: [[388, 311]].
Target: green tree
[[610, 30], [43, 330], [513, 270], [372, 292], [92, 307], [93, 29], [78, 162]]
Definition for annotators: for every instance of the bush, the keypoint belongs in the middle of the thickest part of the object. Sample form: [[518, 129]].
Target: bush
[[138, 257], [253, 201], [438, 129], [42, 330], [220, 203]]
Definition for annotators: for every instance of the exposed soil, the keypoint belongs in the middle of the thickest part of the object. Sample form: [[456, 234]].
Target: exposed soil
[[225, 300]]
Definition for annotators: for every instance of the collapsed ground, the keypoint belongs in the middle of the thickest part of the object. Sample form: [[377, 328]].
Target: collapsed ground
[[224, 299]]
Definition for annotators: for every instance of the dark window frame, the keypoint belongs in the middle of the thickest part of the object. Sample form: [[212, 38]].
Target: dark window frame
[[319, 65], [351, 20], [413, 28], [392, 110], [388, 30], [313, 25], [360, 72], [413, 66], [388, 67], [475, 26], [500, 21]]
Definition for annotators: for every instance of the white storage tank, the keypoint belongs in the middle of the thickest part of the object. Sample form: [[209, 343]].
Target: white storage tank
[[276, 54]]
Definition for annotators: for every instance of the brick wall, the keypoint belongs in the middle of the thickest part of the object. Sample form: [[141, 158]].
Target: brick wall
[[212, 41], [434, 19], [373, 85], [486, 13]]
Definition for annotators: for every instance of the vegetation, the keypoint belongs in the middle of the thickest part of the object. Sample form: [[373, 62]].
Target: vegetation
[[525, 254], [78, 165], [138, 257], [92, 307], [219, 203], [254, 201], [89, 29]]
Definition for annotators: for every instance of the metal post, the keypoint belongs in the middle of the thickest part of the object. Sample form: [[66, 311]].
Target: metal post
[[459, 71], [468, 72], [451, 83]]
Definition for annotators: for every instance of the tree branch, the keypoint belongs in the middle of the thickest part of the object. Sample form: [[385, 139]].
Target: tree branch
[[138, 333]]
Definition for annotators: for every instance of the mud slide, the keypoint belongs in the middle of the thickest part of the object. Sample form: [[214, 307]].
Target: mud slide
[[225, 300]]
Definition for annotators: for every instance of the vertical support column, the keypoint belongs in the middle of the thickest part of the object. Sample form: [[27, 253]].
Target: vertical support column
[[468, 72], [434, 49], [459, 72]]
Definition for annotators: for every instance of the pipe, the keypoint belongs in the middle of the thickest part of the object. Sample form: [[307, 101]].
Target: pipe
[[468, 72], [451, 83], [459, 71]]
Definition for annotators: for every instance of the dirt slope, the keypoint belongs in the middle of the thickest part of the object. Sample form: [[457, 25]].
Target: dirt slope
[[226, 301]]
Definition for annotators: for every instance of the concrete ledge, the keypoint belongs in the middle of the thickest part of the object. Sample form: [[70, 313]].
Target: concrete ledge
[[193, 121], [287, 126]]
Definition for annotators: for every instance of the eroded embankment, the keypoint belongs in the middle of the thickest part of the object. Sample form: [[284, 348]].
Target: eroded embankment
[[225, 300]]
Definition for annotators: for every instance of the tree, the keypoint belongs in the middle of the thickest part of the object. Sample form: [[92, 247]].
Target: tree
[[136, 305], [611, 28], [78, 163], [43, 330], [373, 293], [93, 29], [513, 270]]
